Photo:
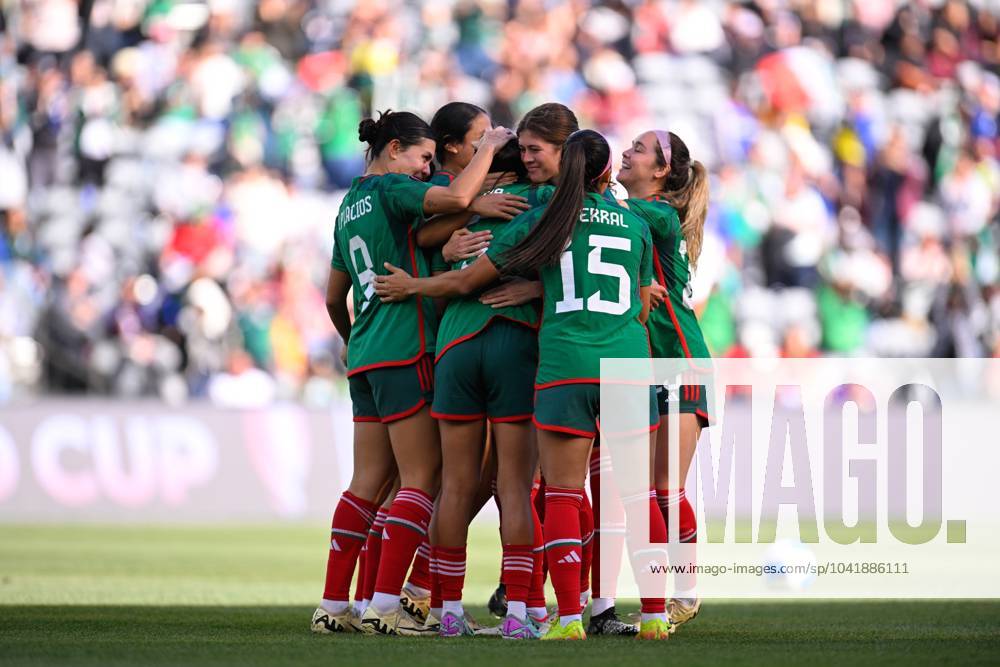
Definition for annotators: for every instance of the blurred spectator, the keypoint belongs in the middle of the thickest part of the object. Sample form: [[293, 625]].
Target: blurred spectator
[[170, 171]]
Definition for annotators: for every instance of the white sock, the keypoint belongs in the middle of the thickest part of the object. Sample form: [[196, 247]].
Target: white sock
[[600, 605], [584, 597], [416, 591], [688, 594], [517, 609], [566, 620], [383, 603], [654, 617], [454, 607], [537, 613], [335, 607], [361, 605]]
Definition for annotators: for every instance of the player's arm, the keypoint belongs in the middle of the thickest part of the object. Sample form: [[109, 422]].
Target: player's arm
[[399, 285], [467, 185], [498, 205], [644, 297], [337, 288]]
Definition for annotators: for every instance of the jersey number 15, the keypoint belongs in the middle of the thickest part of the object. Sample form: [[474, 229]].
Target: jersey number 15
[[597, 267]]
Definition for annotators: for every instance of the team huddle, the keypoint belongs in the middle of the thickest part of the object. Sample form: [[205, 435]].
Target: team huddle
[[485, 295]]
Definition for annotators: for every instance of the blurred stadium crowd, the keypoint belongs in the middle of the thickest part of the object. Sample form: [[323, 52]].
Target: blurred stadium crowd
[[169, 169]]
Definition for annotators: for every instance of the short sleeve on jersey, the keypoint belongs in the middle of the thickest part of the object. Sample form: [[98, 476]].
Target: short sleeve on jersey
[[403, 197], [337, 260], [646, 261]]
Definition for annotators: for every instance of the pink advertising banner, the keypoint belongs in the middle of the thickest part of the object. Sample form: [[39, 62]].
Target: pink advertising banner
[[102, 460]]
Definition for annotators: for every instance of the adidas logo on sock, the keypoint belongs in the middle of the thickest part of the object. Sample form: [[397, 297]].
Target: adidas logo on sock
[[334, 545], [571, 557]]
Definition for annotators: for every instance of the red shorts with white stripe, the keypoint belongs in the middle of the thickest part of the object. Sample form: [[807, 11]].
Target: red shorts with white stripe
[[391, 393]]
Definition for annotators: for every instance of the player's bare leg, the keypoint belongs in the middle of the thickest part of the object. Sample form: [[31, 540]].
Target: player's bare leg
[[374, 470], [417, 451], [685, 603], [461, 459], [564, 462]]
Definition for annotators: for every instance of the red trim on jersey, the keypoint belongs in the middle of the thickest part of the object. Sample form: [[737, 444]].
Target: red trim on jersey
[[451, 176], [556, 383], [512, 418], [405, 413], [410, 239], [366, 419], [562, 429], [462, 339], [457, 418], [387, 364]]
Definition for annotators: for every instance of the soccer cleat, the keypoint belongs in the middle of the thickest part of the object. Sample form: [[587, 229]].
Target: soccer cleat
[[416, 606], [656, 628], [682, 610], [515, 628], [498, 602], [325, 623], [408, 626], [455, 626], [572, 631], [373, 623], [433, 624], [608, 623], [541, 627]]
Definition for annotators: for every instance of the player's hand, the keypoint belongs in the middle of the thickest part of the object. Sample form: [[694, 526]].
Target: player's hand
[[496, 179], [513, 292], [657, 295], [464, 244], [396, 286], [495, 138], [343, 355], [499, 205]]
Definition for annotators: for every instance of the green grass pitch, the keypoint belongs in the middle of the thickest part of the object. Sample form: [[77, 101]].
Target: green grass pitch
[[84, 595]]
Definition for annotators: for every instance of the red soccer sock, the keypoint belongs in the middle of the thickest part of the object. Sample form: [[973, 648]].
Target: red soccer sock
[[587, 542], [373, 551], [536, 592], [348, 532], [563, 545], [685, 553], [450, 563], [648, 560], [405, 530], [435, 580], [518, 567], [359, 581], [420, 573], [609, 528]]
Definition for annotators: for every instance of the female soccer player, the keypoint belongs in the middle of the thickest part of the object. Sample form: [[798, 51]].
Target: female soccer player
[[670, 191], [484, 371], [388, 359], [594, 258]]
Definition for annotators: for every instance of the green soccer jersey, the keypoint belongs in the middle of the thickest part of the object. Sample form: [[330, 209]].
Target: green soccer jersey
[[591, 304], [673, 327], [464, 318], [377, 223]]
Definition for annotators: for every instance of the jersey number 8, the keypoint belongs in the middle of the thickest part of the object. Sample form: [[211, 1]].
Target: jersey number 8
[[596, 266], [367, 276]]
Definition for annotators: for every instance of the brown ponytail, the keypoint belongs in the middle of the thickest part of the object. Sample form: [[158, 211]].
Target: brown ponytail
[[685, 188], [585, 158]]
